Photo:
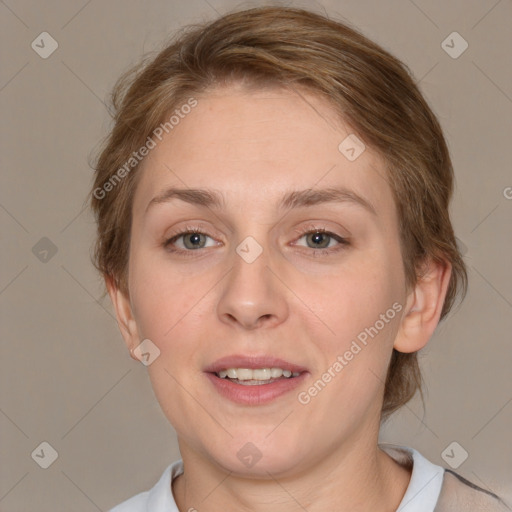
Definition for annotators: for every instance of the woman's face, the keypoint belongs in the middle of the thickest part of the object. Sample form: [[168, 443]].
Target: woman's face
[[259, 280]]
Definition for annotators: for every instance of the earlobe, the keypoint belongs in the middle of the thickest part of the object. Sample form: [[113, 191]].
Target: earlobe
[[124, 315], [424, 307]]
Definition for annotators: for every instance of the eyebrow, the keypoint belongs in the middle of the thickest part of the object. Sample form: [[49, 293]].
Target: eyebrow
[[291, 200]]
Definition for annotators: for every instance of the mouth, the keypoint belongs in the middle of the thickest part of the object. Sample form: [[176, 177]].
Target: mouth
[[254, 380]]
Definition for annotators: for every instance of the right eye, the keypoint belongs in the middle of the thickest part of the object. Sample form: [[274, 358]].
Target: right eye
[[193, 239]]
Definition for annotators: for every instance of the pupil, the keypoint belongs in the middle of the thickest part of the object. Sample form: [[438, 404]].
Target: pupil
[[317, 238], [195, 237]]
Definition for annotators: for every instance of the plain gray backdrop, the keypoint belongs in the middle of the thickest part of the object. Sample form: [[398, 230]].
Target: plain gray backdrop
[[66, 376]]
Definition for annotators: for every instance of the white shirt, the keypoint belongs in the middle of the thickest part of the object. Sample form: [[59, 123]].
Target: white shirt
[[431, 489]]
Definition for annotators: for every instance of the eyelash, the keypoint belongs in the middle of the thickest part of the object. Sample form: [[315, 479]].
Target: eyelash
[[342, 242]]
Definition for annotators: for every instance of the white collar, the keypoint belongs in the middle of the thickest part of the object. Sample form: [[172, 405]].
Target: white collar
[[424, 488]]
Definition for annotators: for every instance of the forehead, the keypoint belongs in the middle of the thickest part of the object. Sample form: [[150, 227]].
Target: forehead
[[255, 146]]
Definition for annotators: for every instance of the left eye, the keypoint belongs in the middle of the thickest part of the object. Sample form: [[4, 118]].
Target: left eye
[[322, 239]]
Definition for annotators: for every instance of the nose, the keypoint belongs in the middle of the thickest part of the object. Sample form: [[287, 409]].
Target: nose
[[253, 295]]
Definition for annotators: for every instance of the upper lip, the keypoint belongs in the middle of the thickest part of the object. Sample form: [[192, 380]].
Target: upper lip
[[252, 362]]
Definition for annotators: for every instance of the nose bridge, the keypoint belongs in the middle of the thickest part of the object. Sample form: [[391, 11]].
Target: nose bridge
[[251, 293]]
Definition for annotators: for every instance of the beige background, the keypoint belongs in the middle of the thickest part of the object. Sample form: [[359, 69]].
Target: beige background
[[66, 377]]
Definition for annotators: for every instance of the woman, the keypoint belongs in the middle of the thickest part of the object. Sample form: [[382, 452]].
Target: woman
[[273, 229]]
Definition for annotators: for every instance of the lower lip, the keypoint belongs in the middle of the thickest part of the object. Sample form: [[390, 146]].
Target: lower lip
[[256, 394]]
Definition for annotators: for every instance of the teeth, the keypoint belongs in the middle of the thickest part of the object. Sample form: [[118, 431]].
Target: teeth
[[256, 374]]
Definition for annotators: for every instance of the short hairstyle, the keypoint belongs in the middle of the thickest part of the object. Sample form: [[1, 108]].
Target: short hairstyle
[[372, 91]]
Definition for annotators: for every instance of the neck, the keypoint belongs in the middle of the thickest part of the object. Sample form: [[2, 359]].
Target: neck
[[355, 476]]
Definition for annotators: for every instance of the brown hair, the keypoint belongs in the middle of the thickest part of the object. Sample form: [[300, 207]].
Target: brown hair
[[367, 87]]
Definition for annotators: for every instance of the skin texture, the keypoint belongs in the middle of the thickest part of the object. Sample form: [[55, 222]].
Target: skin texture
[[291, 302]]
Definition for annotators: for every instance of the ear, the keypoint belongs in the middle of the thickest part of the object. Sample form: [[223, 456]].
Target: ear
[[423, 308], [124, 315]]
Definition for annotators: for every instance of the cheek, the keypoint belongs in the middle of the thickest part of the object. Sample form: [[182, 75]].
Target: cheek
[[173, 312], [354, 299], [167, 309], [160, 296], [359, 313], [162, 307], [361, 306]]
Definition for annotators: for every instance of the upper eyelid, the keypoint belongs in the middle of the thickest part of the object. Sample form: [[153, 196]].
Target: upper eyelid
[[300, 231]]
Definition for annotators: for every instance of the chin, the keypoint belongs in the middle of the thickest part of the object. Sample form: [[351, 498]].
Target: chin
[[257, 456]]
